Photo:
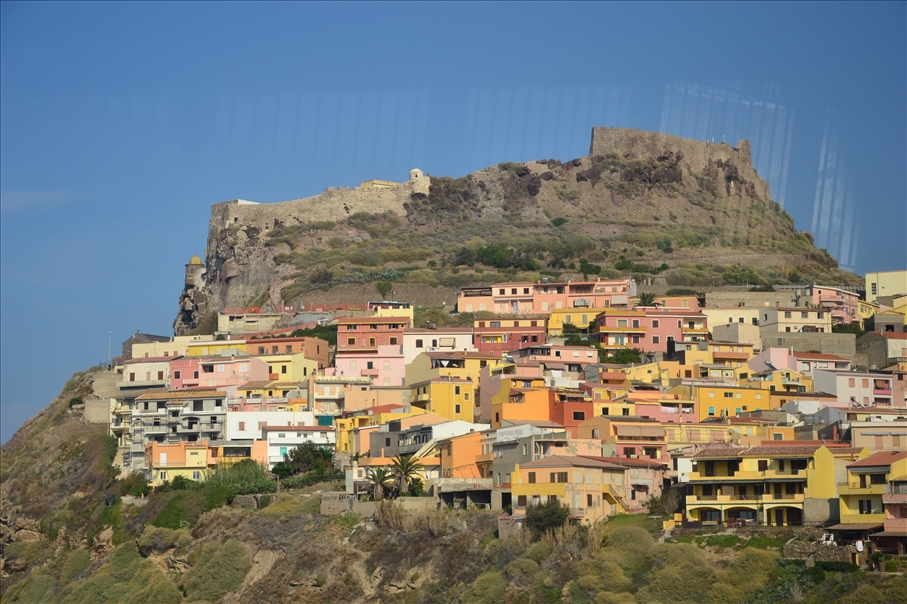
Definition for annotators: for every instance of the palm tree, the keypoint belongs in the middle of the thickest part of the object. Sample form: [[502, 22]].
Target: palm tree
[[406, 467], [381, 478], [647, 299]]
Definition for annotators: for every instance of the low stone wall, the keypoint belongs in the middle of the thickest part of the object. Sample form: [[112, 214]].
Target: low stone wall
[[801, 550], [253, 501], [337, 502]]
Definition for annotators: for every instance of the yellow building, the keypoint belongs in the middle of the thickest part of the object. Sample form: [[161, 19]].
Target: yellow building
[[457, 364], [779, 380], [863, 496], [346, 426], [592, 489], [289, 367], [887, 283], [867, 309], [204, 348], [521, 404], [766, 485], [727, 401], [453, 398], [581, 318]]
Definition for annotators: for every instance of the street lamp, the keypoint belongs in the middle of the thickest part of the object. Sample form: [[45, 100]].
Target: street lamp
[[109, 333]]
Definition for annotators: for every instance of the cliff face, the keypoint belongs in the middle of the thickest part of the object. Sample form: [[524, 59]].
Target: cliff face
[[639, 200]]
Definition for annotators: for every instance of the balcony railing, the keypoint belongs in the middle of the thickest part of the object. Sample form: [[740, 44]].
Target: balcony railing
[[855, 488], [749, 475], [882, 391]]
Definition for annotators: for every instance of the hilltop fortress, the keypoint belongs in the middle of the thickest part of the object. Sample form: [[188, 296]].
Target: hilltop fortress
[[239, 263]]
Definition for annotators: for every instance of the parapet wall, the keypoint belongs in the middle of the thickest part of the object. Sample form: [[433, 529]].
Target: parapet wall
[[334, 204], [697, 155]]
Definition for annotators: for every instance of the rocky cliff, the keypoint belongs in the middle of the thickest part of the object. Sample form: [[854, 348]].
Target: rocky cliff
[[652, 205]]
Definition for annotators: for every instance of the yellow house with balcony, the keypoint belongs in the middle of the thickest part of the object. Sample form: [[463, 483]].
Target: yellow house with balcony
[[777, 485], [779, 380], [591, 488], [456, 364], [581, 318], [164, 462], [863, 495]]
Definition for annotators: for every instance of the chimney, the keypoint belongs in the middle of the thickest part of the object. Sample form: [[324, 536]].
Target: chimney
[[834, 432]]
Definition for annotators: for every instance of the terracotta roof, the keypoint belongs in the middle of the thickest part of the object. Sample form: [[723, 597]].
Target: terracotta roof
[[150, 360], [895, 335], [557, 461], [626, 461], [183, 394], [720, 452], [855, 526], [254, 385], [884, 458], [782, 450]]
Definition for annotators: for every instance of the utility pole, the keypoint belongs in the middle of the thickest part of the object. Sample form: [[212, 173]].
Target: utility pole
[[109, 333]]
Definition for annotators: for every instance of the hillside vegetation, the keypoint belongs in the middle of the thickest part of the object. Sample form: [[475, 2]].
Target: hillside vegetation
[[600, 216]]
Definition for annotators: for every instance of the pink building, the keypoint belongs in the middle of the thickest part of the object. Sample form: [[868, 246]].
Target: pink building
[[843, 305], [540, 297], [773, 358], [385, 365], [221, 373], [649, 329], [371, 347]]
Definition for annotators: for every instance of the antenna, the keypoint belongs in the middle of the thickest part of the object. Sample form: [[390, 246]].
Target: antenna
[[637, 124]]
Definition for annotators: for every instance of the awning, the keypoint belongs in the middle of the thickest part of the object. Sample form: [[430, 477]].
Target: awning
[[637, 431], [902, 535], [866, 526]]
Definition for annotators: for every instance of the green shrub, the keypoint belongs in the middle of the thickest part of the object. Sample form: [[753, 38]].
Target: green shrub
[[76, 562], [835, 566], [160, 540], [545, 517], [220, 569], [37, 588]]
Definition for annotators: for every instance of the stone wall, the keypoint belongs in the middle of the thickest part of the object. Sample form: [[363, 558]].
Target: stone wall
[[840, 344], [801, 550], [335, 502]]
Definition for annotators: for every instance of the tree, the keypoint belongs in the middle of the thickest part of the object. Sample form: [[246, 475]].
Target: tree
[[646, 299], [406, 467], [625, 356], [305, 458], [384, 288], [853, 328], [381, 479], [545, 517]]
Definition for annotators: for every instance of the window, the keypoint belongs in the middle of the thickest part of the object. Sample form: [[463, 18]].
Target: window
[[456, 390], [728, 395], [787, 314], [351, 341], [418, 343], [393, 340], [163, 475], [531, 477], [283, 369], [242, 425], [626, 411], [579, 415], [371, 341], [804, 315], [711, 410], [289, 348], [261, 350], [457, 409], [196, 475], [635, 322], [521, 501], [176, 375], [558, 477], [387, 365], [655, 323], [865, 506]]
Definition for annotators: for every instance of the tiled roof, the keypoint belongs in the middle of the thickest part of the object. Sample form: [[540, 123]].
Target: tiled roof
[[558, 461], [884, 458], [628, 462], [182, 394], [150, 360], [254, 385]]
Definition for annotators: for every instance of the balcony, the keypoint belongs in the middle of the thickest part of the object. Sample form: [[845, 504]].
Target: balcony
[[373, 373], [783, 498], [422, 398], [854, 488], [735, 499], [881, 391], [751, 475], [862, 518], [485, 458], [896, 524], [894, 498]]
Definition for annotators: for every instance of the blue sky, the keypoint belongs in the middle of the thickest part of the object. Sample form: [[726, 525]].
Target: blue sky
[[121, 123]]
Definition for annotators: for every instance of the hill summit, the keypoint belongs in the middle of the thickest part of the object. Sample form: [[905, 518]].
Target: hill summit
[[666, 210]]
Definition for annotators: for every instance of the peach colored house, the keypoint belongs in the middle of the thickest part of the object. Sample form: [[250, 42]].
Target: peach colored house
[[223, 373], [631, 436], [499, 336], [540, 297], [459, 455], [385, 365]]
